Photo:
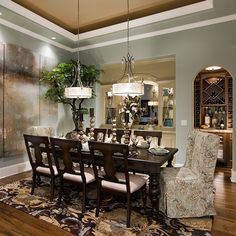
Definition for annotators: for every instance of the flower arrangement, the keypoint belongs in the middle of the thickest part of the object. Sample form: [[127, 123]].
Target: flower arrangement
[[131, 105]]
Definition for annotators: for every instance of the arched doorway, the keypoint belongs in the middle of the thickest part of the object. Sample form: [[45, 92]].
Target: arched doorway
[[213, 107]]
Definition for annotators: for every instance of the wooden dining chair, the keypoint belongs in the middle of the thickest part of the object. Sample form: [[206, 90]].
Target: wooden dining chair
[[99, 134], [114, 181], [41, 161], [145, 133], [119, 134], [66, 152]]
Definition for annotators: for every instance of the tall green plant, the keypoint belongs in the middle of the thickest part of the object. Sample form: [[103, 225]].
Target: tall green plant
[[63, 75]]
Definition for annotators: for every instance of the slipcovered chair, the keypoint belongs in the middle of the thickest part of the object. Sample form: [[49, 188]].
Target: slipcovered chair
[[188, 191]]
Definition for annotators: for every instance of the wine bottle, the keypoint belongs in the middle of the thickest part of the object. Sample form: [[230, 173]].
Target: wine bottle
[[222, 124]]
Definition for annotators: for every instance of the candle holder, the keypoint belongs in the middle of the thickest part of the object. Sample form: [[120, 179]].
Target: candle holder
[[126, 132], [114, 140], [92, 124], [81, 132]]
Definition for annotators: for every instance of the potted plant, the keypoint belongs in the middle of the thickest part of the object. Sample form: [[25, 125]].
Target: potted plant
[[63, 75]]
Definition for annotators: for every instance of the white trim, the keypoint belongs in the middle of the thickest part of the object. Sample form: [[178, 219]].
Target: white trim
[[164, 31], [233, 176], [14, 169], [181, 11], [36, 18], [34, 35]]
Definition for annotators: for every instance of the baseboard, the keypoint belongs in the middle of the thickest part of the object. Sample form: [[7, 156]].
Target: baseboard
[[233, 176], [14, 169]]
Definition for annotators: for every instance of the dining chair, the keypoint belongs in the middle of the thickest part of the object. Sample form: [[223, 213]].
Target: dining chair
[[41, 161], [99, 134], [112, 180], [66, 152], [145, 134], [119, 134], [188, 191]]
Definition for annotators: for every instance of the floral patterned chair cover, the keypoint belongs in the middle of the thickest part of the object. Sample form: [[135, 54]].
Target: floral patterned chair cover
[[188, 191]]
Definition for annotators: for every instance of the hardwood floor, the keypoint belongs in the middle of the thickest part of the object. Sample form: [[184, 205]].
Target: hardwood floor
[[224, 222]]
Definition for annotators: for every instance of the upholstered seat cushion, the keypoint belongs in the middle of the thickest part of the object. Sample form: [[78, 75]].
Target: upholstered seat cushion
[[88, 172], [136, 182], [46, 170]]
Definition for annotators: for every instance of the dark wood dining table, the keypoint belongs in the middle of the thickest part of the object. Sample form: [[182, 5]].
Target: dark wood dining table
[[147, 163]]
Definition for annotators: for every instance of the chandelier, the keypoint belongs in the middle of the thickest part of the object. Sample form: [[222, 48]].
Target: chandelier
[[127, 85], [77, 90]]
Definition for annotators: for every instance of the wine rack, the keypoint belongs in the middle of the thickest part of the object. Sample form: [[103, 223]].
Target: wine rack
[[197, 102]]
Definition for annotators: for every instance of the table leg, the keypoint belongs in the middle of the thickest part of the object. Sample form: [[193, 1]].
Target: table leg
[[169, 163], [154, 192]]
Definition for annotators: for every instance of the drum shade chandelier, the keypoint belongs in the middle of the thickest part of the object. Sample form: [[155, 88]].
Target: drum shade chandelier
[[127, 85], [77, 90]]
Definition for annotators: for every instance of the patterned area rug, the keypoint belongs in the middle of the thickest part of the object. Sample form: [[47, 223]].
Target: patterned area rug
[[111, 221]]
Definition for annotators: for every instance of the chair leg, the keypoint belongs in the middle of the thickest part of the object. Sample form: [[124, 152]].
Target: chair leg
[[98, 199], [38, 180], [52, 186], [84, 198], [128, 210], [144, 197], [61, 190], [33, 183]]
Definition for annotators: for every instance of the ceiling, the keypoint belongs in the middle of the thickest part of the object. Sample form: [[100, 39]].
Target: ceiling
[[95, 14]]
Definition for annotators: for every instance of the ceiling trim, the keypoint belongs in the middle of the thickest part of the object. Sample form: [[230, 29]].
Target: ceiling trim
[[35, 35], [181, 11], [162, 32], [35, 18]]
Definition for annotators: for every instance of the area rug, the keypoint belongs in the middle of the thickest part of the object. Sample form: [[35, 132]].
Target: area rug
[[111, 220]]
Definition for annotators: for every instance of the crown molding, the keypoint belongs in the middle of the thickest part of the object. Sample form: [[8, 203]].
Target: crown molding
[[36, 18], [181, 11], [162, 32], [35, 35]]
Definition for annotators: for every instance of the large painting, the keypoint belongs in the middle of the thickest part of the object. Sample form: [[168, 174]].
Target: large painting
[[1, 99], [21, 97]]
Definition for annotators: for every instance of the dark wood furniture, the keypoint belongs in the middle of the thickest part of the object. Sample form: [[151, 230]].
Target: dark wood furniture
[[112, 180], [119, 133], [145, 163], [81, 176], [41, 161], [96, 132], [145, 133]]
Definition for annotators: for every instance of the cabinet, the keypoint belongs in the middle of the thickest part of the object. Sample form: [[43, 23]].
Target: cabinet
[[213, 96]]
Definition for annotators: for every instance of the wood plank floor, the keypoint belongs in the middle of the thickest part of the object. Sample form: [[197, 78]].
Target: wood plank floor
[[14, 222]]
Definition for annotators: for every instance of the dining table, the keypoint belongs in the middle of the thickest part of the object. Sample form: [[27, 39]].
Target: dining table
[[144, 162]]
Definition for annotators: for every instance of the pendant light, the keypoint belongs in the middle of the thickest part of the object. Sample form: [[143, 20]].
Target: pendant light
[[77, 90], [127, 85]]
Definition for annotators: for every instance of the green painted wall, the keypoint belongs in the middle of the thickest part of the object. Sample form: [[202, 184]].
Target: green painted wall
[[194, 50]]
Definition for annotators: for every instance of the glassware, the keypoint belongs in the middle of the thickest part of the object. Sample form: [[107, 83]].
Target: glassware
[[134, 140]]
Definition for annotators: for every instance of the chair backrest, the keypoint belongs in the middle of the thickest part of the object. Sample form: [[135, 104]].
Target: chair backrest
[[99, 134], [38, 150], [119, 134], [144, 134], [105, 152], [64, 151], [201, 153]]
